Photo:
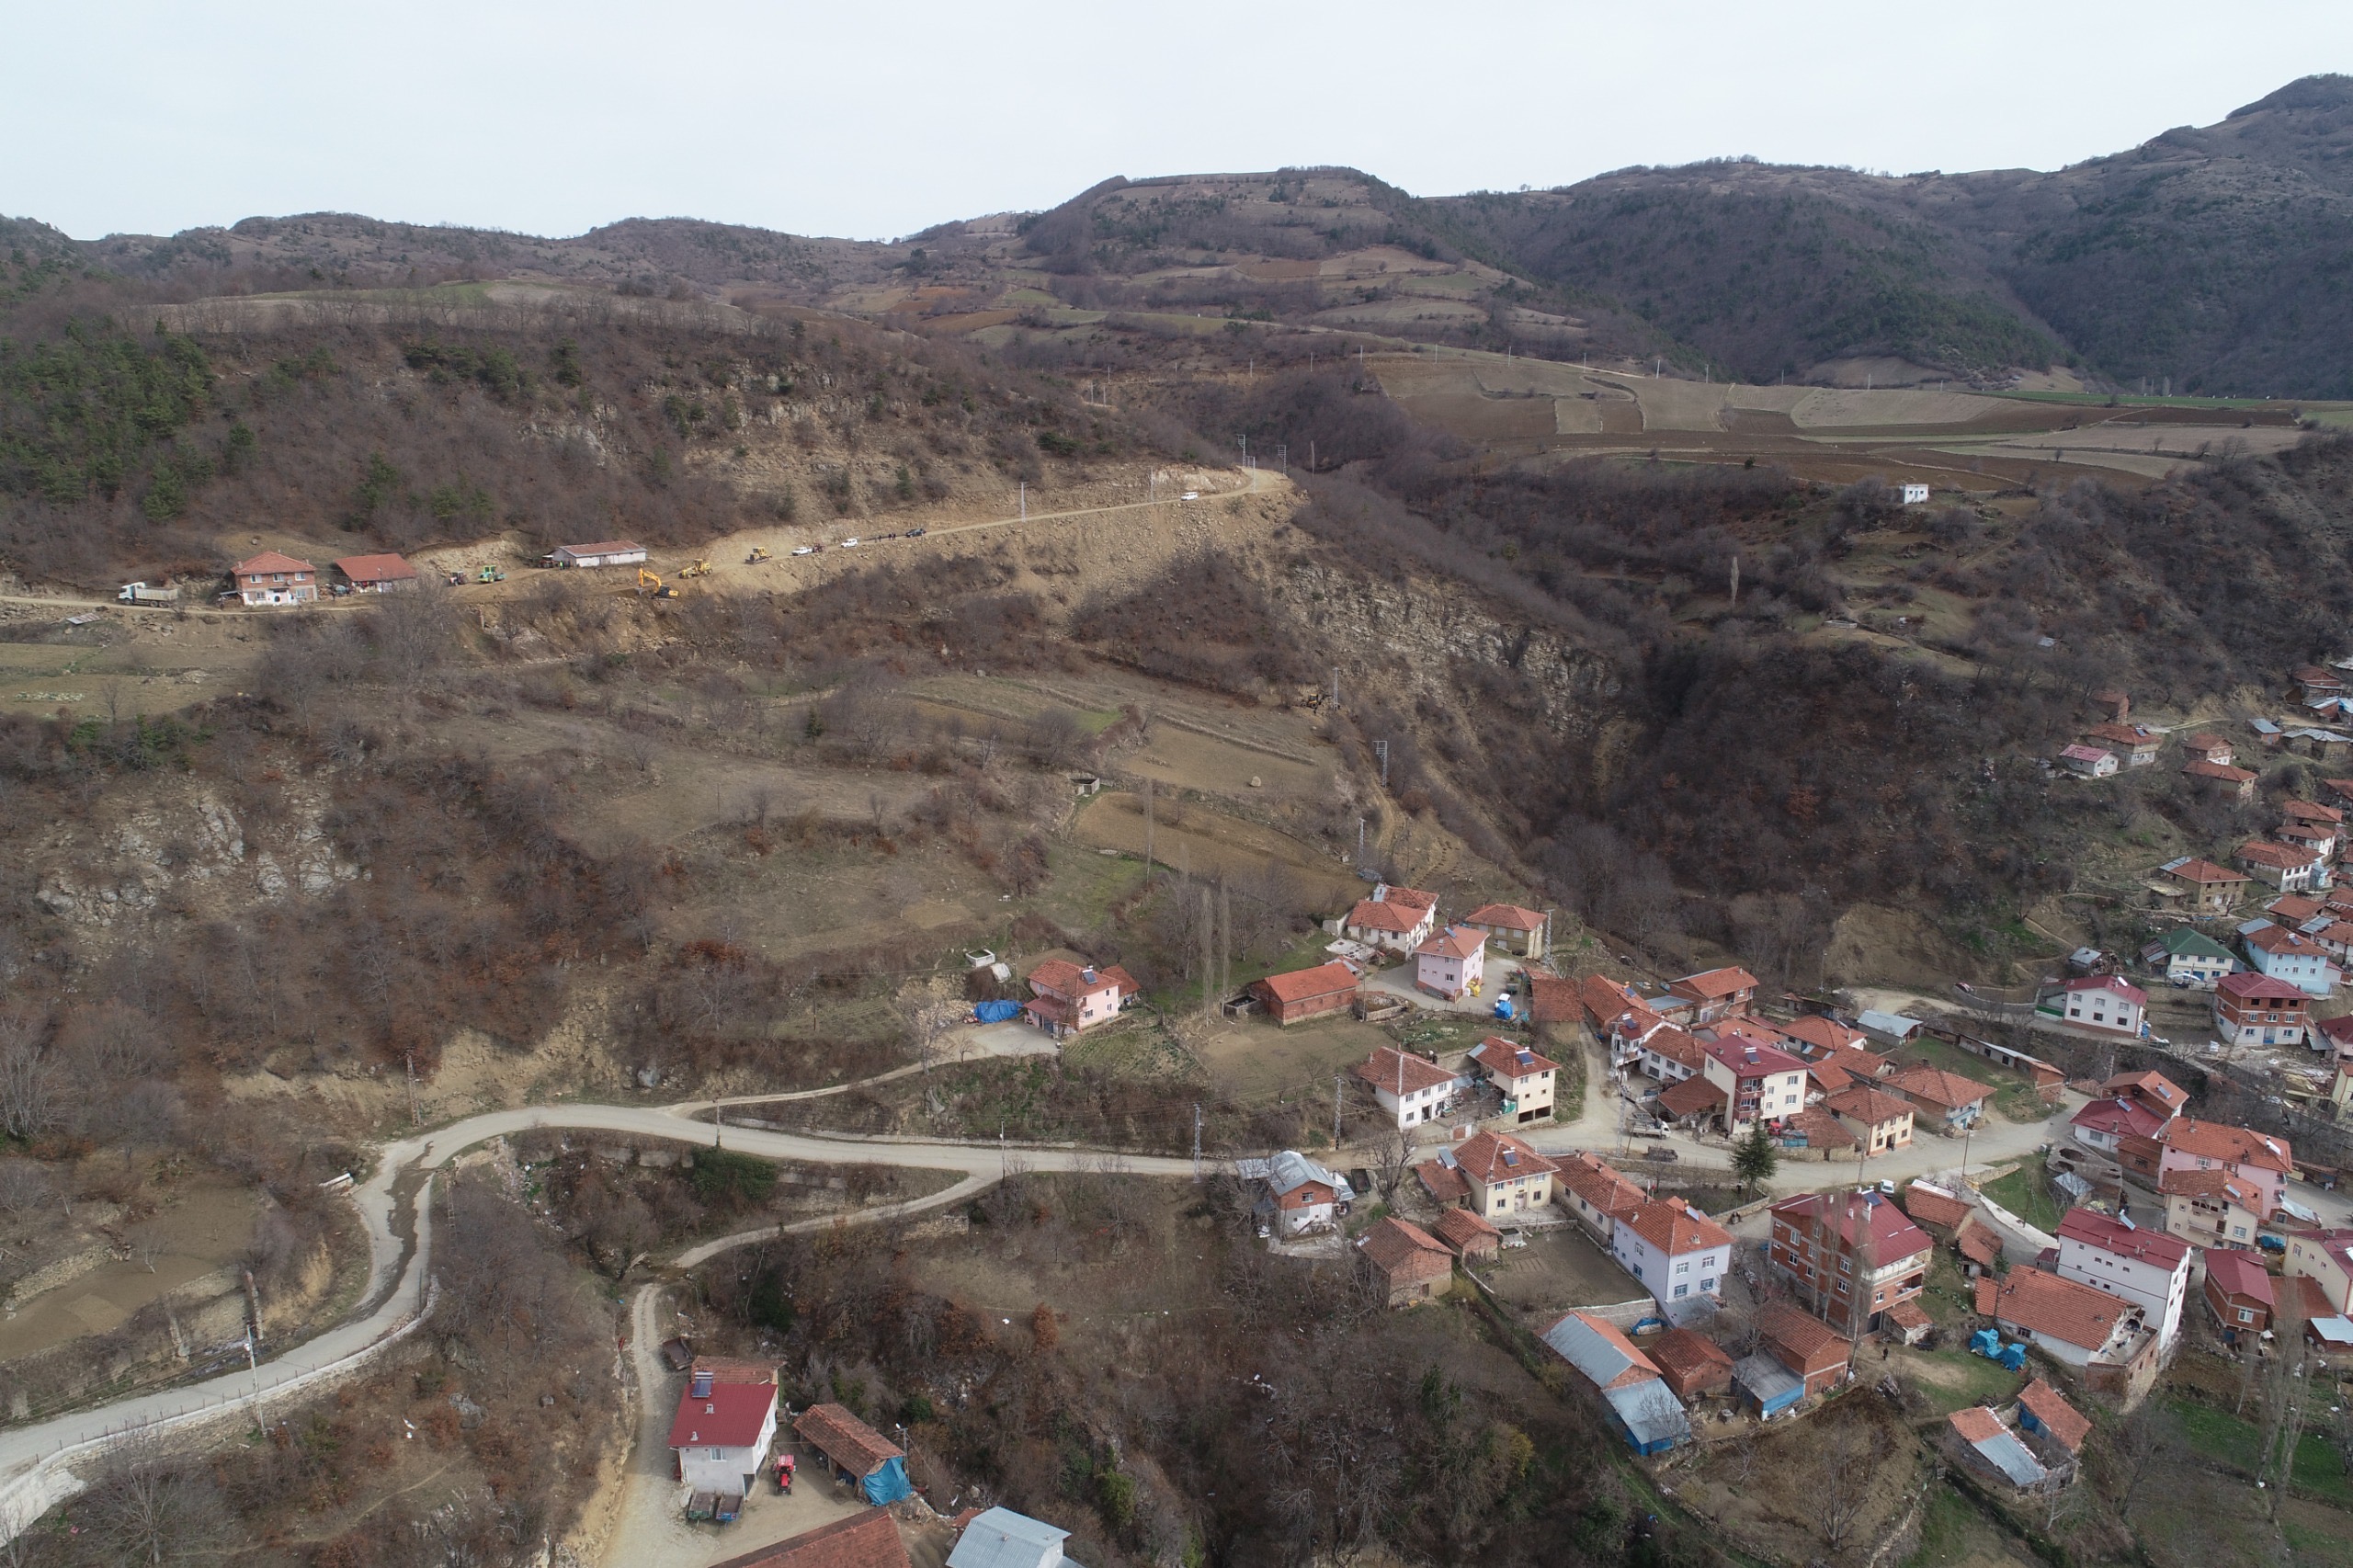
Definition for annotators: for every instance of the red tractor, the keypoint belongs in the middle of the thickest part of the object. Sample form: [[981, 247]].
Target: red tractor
[[784, 1466]]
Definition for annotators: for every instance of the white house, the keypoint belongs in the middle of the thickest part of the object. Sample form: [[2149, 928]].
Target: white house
[[720, 1435], [1679, 1254], [2088, 762], [1760, 1082], [604, 552], [1451, 963], [1524, 1078], [2148, 1268], [1393, 919], [2278, 953], [1409, 1090], [1914, 495], [2288, 867], [2189, 959], [2104, 1002]]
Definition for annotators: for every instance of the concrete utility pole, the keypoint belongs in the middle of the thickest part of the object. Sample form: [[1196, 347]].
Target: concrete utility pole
[[1147, 833], [1359, 844], [1335, 689], [1735, 583], [1197, 1141], [410, 1058], [1336, 1081], [1382, 747], [1023, 491]]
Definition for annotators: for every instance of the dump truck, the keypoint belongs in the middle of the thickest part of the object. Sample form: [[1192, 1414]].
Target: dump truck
[[148, 593]]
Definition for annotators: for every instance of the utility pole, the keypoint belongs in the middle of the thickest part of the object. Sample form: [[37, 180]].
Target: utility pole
[[1336, 1081], [1023, 491], [1382, 747], [1282, 455], [1197, 1141], [1359, 844], [1335, 689], [1735, 583], [1147, 833], [1310, 455], [717, 1122], [410, 1057]]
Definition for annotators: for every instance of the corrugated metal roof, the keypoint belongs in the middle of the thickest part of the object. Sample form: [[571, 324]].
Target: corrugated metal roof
[[1651, 1412], [2006, 1454], [1003, 1539]]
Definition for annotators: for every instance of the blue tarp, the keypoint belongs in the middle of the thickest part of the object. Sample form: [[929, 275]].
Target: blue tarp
[[1986, 1343], [888, 1483], [2013, 1357], [995, 1012], [1503, 1009]]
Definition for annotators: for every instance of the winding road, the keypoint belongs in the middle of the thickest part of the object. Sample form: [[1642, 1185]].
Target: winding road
[[37, 1461]]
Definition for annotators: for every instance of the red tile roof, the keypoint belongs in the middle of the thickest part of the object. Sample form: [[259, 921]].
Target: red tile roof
[[1407, 898], [2215, 1140], [271, 562], [1803, 1342], [1690, 1361], [2221, 772], [1373, 916], [2248, 986], [2240, 1274], [1819, 1128], [2127, 736], [1300, 985], [2215, 1187], [1689, 1097], [1678, 1046], [1510, 1060], [1442, 1181], [1746, 1056], [1826, 1034], [2293, 908], [730, 1416], [1974, 1423], [1675, 1227], [1454, 942], [1395, 1071], [1976, 1242], [1866, 1104], [2279, 939], [1828, 1077], [1461, 1230], [2118, 1118], [728, 1369], [2149, 1086], [2058, 1418], [2205, 871], [1906, 1315], [1940, 1087], [2309, 810], [1552, 1000], [2111, 983], [2044, 1303], [2119, 1239], [1070, 980], [1590, 1177], [376, 569], [1892, 1235], [1399, 1248], [1714, 985], [1490, 1157], [2279, 857], [1928, 1207], [865, 1540], [844, 1439], [1639, 1367], [1505, 918]]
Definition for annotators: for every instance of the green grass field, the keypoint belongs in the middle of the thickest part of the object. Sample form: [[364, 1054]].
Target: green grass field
[[2025, 1194], [1952, 1380]]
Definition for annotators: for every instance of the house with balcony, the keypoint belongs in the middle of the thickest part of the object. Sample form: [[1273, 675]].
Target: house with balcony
[[1755, 1083], [2257, 1158], [2279, 953], [2290, 868], [1524, 1078], [1504, 1176], [1451, 964], [1600, 1197], [1068, 998], [2256, 1010], [1393, 919], [2211, 1210], [1850, 1255], [1714, 993], [2149, 1267], [1409, 1090], [2189, 960]]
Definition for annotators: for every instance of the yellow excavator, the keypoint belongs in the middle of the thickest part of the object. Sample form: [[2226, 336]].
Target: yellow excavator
[[759, 554], [650, 586], [699, 569]]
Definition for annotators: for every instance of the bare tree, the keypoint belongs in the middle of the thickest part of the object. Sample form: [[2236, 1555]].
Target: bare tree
[[29, 1102], [23, 1185], [155, 1505], [1839, 1481]]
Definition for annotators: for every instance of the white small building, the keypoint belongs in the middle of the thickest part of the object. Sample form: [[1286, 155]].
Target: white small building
[[1452, 963], [720, 1437], [2103, 1001], [1679, 1254], [1409, 1090], [1914, 495], [2149, 1269], [2088, 762], [604, 552]]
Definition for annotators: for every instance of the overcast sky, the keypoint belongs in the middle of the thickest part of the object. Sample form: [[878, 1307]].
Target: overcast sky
[[874, 121]]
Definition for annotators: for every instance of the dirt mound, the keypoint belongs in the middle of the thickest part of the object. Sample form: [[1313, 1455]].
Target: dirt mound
[[1874, 945]]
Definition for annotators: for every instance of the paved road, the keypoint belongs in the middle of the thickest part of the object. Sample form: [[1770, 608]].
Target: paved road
[[37, 1460]]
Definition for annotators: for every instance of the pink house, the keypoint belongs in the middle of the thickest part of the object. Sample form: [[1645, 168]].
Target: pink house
[[1450, 962], [2255, 1158]]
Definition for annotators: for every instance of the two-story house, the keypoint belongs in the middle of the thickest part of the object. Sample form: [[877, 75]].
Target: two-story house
[[1067, 997], [2288, 867], [2240, 1294], [274, 577], [1409, 1090], [1451, 964], [2100, 1002], [2150, 1268], [2322, 825], [2221, 778], [2211, 888], [2135, 746], [1510, 927], [2256, 1010], [1759, 1083], [1298, 1195], [1524, 1078], [2213, 1210], [1946, 1101], [1504, 1176], [1878, 1121], [1602, 1198], [2325, 1258], [2282, 954], [2064, 1318], [725, 1421], [1851, 1255], [1714, 993], [1678, 1254], [2189, 959], [1394, 919], [2257, 1158]]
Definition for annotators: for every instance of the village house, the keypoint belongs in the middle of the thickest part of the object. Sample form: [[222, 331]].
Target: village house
[[2238, 1293], [375, 574], [1505, 1175], [2188, 1144], [2284, 865], [2134, 744], [1298, 1193], [2325, 1258], [1824, 1243], [2149, 1269], [1976, 1438], [2295, 910], [2189, 959], [1816, 1035], [1405, 1263], [1394, 919], [2099, 1001], [1876, 1120], [2255, 1010], [1067, 998], [1451, 964], [2237, 783], [2207, 747], [859, 1454], [1816, 1353], [1551, 998], [1600, 1197], [1888, 1030], [2106, 1123], [274, 577], [2211, 1210], [2087, 762], [1715, 994], [603, 552], [1694, 1366], [1304, 994], [1524, 1078], [1755, 1083], [868, 1539], [1947, 1101], [2071, 1321], [2340, 792], [2279, 953], [1640, 1405], [1410, 1090], [1679, 1254], [1523, 932], [1935, 1210], [2301, 835], [2312, 814], [999, 1538], [1443, 1181], [1815, 1131], [1467, 1235], [1669, 1054], [2213, 890], [2059, 1428], [2114, 707], [720, 1433], [2335, 938], [2310, 683]]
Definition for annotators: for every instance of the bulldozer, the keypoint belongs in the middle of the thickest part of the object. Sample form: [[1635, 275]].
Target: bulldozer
[[699, 569], [759, 554], [490, 574], [650, 586]]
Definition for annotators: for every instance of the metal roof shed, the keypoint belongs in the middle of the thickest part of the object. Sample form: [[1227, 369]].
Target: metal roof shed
[[1773, 1387], [1652, 1417], [1003, 1539]]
